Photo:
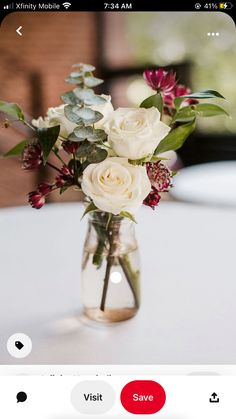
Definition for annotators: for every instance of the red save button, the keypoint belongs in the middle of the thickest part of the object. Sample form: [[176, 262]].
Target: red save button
[[143, 397]]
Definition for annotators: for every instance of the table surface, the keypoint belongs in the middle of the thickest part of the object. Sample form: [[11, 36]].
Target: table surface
[[188, 288]]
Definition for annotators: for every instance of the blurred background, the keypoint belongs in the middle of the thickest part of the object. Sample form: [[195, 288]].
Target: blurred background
[[121, 46]]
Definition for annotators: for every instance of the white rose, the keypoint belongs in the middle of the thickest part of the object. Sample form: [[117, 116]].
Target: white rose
[[105, 108], [135, 132], [115, 185], [55, 116]]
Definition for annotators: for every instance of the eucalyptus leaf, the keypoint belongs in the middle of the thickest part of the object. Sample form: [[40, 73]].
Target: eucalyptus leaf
[[154, 100], [90, 134], [205, 94], [89, 116], [74, 80], [17, 149], [84, 149], [47, 138], [84, 67], [71, 112], [92, 81], [97, 155], [12, 109], [176, 138], [83, 93], [70, 98], [127, 214]]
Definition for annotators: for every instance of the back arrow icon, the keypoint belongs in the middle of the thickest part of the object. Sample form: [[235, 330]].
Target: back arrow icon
[[18, 30]]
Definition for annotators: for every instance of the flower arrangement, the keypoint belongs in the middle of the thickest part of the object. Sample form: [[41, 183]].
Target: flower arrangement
[[116, 157]]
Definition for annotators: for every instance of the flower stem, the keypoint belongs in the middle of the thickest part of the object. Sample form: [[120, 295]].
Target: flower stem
[[53, 167], [125, 264]]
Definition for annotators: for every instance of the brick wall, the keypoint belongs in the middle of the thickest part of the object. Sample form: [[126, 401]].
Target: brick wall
[[32, 72]]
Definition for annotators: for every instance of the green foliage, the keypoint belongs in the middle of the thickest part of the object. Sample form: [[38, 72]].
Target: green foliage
[[12, 109], [17, 149], [189, 113], [127, 214], [205, 94], [91, 152], [176, 138], [70, 98], [90, 208], [47, 138], [88, 116], [154, 100], [90, 134], [91, 81]]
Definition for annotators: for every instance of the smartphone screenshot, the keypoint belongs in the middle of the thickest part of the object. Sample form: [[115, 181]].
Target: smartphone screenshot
[[117, 210]]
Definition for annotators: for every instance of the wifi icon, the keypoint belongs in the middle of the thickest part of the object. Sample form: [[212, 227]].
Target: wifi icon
[[66, 5]]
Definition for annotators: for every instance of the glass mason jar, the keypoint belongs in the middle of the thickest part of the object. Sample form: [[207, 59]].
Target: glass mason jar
[[110, 269]]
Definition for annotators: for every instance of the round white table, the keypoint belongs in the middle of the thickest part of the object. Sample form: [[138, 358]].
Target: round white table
[[188, 288]]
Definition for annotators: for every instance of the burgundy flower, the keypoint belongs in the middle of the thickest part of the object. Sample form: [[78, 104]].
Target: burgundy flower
[[179, 90], [160, 80], [31, 157], [36, 199], [152, 200], [65, 177], [160, 176], [44, 188], [70, 146]]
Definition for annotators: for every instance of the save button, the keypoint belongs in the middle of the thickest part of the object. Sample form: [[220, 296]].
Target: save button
[[143, 397]]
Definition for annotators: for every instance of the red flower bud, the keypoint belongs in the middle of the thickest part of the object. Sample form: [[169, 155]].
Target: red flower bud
[[160, 80], [70, 146], [152, 200], [36, 199], [31, 157], [179, 90], [44, 188]]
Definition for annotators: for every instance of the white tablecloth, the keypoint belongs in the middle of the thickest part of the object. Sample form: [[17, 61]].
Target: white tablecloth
[[189, 287]]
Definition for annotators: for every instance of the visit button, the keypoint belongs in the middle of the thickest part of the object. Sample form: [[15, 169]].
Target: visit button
[[143, 397]]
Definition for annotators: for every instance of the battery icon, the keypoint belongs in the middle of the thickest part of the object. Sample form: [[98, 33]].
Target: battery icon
[[226, 5]]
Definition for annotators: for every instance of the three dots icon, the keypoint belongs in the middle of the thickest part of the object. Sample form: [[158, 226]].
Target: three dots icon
[[213, 34]]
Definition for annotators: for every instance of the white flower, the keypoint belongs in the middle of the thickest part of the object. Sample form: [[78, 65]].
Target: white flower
[[115, 185], [105, 108], [135, 132], [55, 116]]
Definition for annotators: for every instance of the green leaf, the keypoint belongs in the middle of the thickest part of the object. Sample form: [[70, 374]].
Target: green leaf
[[97, 155], [47, 139], [90, 208], [185, 114], [84, 67], [70, 98], [89, 116], [17, 149], [205, 94], [127, 214], [84, 149], [63, 189], [12, 109], [71, 114], [74, 80], [90, 134], [208, 109], [155, 100], [176, 138], [139, 162], [91, 81]]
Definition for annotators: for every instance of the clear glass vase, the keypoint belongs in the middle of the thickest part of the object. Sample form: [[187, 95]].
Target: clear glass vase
[[110, 269]]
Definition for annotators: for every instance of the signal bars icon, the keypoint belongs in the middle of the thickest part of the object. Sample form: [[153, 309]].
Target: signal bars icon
[[9, 6]]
